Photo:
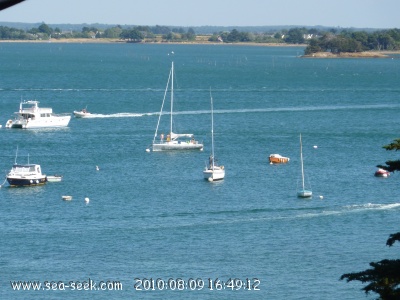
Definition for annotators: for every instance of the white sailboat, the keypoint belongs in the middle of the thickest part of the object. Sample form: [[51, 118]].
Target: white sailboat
[[303, 192], [213, 171], [173, 141]]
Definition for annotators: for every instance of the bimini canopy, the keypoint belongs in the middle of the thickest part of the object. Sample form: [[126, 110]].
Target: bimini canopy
[[175, 136]]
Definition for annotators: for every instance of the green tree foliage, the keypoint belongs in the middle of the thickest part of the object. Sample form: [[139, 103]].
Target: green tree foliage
[[44, 28], [313, 47], [317, 39], [383, 277], [7, 33], [392, 165], [113, 32], [132, 35], [348, 41], [295, 36]]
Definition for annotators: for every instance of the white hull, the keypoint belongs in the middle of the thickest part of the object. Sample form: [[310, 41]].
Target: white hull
[[54, 178], [30, 115], [176, 145], [80, 114], [304, 194], [50, 122], [214, 175]]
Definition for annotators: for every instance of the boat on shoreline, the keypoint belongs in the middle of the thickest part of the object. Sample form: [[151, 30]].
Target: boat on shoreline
[[30, 115]]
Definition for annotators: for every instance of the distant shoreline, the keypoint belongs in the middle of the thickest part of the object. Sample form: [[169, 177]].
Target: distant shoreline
[[108, 41], [365, 54], [320, 55]]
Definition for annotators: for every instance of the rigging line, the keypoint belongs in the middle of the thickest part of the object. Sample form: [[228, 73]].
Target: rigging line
[[162, 106]]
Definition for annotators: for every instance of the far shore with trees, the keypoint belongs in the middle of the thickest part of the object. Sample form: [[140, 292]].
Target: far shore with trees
[[319, 42]]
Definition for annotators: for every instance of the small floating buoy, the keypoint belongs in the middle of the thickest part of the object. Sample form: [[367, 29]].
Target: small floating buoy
[[315, 146], [321, 197], [87, 200], [147, 150], [97, 168]]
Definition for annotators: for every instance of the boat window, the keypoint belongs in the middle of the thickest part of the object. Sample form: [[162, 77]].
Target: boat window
[[22, 169]]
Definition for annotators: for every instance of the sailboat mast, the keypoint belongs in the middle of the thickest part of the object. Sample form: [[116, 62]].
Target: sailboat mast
[[301, 158], [212, 131], [172, 94]]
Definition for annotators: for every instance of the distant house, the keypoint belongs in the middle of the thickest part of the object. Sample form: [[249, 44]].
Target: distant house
[[309, 36]]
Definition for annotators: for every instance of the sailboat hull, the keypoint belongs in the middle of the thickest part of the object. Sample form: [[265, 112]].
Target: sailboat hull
[[304, 194], [177, 145], [214, 175]]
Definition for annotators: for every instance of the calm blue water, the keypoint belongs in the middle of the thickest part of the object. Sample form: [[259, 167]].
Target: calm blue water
[[151, 215]]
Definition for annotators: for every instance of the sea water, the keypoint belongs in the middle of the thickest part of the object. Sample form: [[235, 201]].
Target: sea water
[[152, 223]]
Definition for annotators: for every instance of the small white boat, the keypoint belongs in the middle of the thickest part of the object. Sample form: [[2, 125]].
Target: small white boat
[[303, 192], [30, 115], [54, 178], [66, 198], [173, 140], [213, 171], [82, 113], [26, 175], [382, 173]]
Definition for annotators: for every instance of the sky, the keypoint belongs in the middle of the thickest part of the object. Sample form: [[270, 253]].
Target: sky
[[186, 13]]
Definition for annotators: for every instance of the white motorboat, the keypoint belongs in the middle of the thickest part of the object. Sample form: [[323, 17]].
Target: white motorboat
[[30, 115], [54, 178], [82, 113], [173, 141], [26, 175], [213, 171]]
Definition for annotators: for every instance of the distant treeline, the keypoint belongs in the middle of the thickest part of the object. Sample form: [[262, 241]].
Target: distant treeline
[[358, 41], [317, 38]]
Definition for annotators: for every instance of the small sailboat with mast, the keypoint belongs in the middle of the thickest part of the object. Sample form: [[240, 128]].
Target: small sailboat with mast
[[303, 192], [213, 171], [173, 141]]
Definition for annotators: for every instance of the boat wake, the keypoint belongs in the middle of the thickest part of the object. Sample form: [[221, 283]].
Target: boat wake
[[119, 115], [244, 110], [210, 218]]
